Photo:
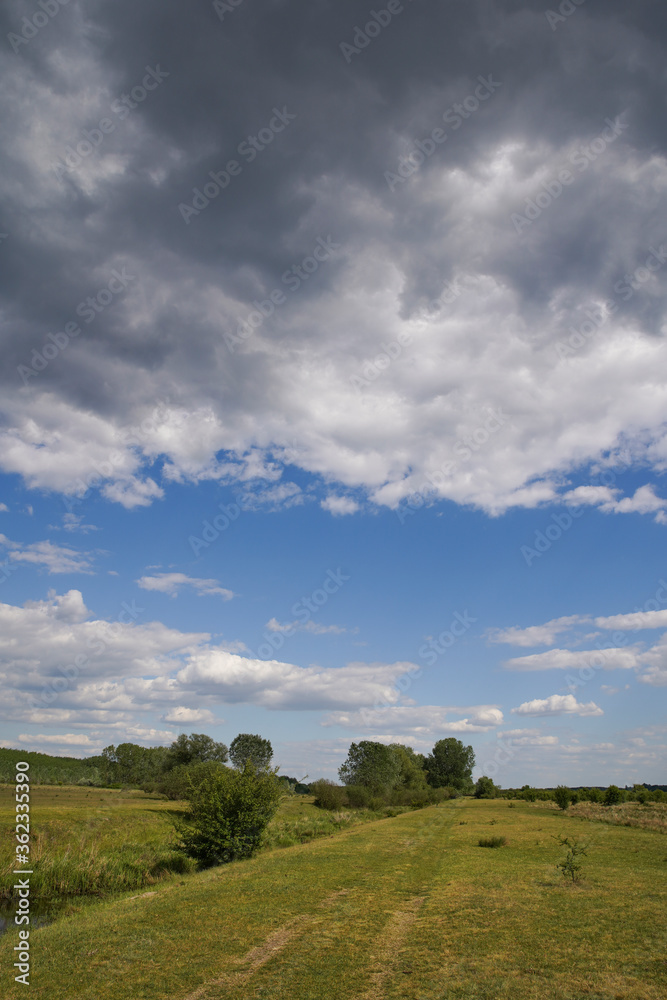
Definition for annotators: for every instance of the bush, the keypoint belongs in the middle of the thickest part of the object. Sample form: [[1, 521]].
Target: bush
[[178, 783], [570, 867], [492, 841], [328, 795], [562, 796], [594, 795], [612, 796], [229, 811], [485, 788]]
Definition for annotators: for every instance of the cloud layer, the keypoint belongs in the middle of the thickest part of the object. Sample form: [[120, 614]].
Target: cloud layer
[[393, 338]]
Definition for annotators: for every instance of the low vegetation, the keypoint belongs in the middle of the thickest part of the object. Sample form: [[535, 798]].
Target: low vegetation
[[492, 842], [406, 908]]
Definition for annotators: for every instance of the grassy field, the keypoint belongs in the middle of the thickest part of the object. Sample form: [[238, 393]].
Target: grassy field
[[408, 907], [98, 841]]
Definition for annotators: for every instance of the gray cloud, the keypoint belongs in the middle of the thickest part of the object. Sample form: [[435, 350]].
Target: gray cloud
[[323, 176]]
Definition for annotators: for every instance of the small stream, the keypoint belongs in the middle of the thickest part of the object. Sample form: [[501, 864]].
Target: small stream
[[39, 916]]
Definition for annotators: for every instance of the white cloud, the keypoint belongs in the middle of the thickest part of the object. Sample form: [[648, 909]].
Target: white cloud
[[557, 704], [593, 496], [3, 508], [654, 660], [171, 583], [54, 558], [536, 635], [644, 500], [185, 716], [634, 621], [418, 721], [526, 738], [67, 607], [339, 506], [78, 740], [567, 659], [274, 625], [277, 685]]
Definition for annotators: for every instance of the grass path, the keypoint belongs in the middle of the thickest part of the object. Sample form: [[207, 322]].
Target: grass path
[[408, 907]]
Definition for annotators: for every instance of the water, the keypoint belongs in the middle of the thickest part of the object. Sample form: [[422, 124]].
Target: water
[[40, 916]]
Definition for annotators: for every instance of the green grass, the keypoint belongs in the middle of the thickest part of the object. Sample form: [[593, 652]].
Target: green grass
[[492, 841], [407, 907], [97, 842]]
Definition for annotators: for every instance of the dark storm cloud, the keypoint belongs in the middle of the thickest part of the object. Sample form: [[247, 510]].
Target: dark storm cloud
[[333, 125]]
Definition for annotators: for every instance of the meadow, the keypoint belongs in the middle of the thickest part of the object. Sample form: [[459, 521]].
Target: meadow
[[100, 841], [402, 907]]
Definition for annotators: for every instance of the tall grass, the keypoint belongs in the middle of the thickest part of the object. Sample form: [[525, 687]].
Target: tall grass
[[650, 816], [98, 842]]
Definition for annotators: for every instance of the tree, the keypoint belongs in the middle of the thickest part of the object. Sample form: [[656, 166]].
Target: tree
[[450, 763], [562, 796], [612, 796], [412, 774], [485, 788], [195, 749], [373, 765], [229, 811], [247, 746]]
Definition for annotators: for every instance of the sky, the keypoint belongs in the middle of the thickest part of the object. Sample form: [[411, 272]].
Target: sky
[[334, 395]]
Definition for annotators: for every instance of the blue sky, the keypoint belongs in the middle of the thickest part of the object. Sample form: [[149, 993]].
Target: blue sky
[[376, 657], [334, 395]]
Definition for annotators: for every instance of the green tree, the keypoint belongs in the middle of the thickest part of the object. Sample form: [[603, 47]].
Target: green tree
[[194, 749], [412, 774], [562, 796], [450, 763], [247, 746], [612, 796], [485, 788], [229, 811], [373, 765]]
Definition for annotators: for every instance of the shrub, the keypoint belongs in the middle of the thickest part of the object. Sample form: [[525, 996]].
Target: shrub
[[612, 796], [485, 788], [570, 867], [492, 841], [229, 811], [594, 795], [328, 795], [562, 796]]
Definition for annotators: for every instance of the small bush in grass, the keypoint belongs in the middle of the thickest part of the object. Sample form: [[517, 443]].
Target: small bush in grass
[[612, 796], [492, 841], [562, 797], [570, 867], [328, 795]]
